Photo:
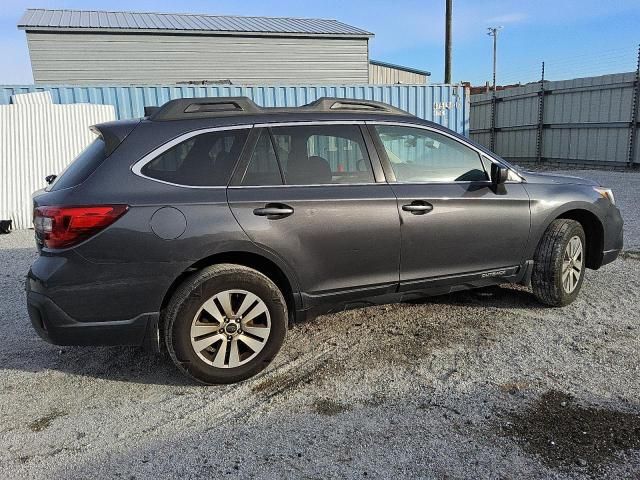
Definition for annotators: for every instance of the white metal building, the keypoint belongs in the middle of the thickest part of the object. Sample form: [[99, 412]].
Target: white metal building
[[386, 73], [94, 47]]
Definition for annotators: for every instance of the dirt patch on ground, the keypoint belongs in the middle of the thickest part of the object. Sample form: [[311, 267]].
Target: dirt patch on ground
[[326, 406], [630, 254], [43, 423], [565, 434]]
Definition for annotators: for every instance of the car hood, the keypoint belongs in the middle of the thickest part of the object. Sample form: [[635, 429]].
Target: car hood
[[537, 177]]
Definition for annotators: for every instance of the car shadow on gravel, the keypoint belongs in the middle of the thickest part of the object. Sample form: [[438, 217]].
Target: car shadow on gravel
[[121, 364], [500, 296]]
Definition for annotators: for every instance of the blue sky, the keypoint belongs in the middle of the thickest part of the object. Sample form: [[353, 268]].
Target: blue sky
[[574, 37]]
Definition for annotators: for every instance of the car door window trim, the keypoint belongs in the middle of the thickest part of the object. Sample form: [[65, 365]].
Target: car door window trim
[[137, 167]]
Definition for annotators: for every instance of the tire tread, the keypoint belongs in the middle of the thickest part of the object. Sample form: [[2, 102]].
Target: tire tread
[[544, 280]]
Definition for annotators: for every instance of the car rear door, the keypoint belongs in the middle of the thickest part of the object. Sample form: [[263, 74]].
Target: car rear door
[[312, 194], [454, 225]]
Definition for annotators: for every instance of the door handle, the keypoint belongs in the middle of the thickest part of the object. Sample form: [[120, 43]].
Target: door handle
[[273, 211], [418, 207]]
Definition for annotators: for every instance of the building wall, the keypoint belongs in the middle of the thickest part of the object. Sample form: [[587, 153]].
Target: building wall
[[379, 74], [99, 58], [585, 121]]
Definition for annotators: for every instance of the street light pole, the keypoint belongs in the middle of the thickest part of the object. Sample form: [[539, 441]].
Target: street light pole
[[493, 32], [447, 42]]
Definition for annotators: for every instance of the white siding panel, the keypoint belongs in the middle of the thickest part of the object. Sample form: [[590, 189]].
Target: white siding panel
[[149, 59], [379, 74], [37, 140], [32, 98]]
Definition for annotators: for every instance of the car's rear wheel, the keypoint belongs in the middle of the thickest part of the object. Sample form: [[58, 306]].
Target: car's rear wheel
[[559, 263], [225, 324]]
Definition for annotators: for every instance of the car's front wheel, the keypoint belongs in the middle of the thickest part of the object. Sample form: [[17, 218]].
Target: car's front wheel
[[225, 324], [559, 263]]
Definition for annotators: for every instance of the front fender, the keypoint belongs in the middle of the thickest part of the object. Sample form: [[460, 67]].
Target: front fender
[[549, 202]]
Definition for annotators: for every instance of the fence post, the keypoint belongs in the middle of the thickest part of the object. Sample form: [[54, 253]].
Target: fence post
[[540, 118], [633, 127]]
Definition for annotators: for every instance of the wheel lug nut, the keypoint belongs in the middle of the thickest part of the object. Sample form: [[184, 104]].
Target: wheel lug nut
[[229, 337]]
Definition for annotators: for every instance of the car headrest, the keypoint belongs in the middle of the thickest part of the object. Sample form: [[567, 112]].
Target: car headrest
[[313, 170]]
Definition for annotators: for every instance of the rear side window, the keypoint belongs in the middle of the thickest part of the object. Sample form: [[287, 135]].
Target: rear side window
[[322, 154], [83, 166], [205, 160], [263, 167]]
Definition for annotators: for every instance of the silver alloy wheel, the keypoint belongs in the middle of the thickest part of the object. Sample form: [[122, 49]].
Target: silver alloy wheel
[[572, 264], [230, 328]]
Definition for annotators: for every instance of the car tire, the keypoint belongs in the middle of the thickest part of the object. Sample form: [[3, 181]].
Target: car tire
[[559, 263], [225, 323]]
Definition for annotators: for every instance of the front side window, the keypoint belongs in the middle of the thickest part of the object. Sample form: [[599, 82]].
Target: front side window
[[418, 155], [204, 160], [322, 154]]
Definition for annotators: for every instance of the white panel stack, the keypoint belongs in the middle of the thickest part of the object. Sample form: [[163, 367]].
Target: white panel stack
[[38, 139], [34, 98]]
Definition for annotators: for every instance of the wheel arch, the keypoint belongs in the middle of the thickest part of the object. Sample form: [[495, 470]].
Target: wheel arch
[[593, 232], [287, 285]]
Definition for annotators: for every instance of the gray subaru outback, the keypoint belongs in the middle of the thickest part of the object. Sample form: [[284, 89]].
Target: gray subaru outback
[[209, 225]]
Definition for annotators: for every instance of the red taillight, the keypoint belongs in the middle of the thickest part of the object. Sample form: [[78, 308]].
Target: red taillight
[[61, 227]]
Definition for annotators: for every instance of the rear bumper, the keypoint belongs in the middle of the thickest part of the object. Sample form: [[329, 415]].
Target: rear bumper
[[55, 326]]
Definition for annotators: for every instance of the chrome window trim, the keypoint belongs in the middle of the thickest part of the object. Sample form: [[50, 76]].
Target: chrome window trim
[[137, 167], [454, 138], [310, 185]]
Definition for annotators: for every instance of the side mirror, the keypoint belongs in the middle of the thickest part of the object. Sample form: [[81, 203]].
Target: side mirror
[[499, 174], [50, 178]]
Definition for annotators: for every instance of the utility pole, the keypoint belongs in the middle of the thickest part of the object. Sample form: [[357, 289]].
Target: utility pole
[[447, 42], [493, 32]]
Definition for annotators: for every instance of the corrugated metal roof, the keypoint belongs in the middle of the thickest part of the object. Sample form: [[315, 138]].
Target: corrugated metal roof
[[45, 19]]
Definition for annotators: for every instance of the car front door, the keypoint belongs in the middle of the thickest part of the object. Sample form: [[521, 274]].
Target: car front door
[[312, 195], [454, 224]]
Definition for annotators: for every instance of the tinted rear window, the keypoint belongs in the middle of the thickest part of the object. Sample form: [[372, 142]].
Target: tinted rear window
[[204, 160], [83, 166]]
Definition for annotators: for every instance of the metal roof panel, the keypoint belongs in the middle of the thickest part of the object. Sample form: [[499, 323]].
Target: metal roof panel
[[65, 19]]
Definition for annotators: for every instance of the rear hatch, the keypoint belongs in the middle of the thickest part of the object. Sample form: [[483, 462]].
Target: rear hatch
[[55, 214]]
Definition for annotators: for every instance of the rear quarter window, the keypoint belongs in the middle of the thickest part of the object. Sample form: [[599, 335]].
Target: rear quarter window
[[83, 166], [204, 160]]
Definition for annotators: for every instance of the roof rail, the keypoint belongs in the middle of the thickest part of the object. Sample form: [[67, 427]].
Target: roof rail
[[331, 104], [185, 108], [148, 111]]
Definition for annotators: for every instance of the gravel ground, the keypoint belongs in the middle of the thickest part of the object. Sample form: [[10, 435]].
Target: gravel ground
[[481, 384]]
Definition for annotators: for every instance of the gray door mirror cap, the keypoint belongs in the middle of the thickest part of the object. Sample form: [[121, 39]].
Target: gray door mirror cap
[[499, 174]]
